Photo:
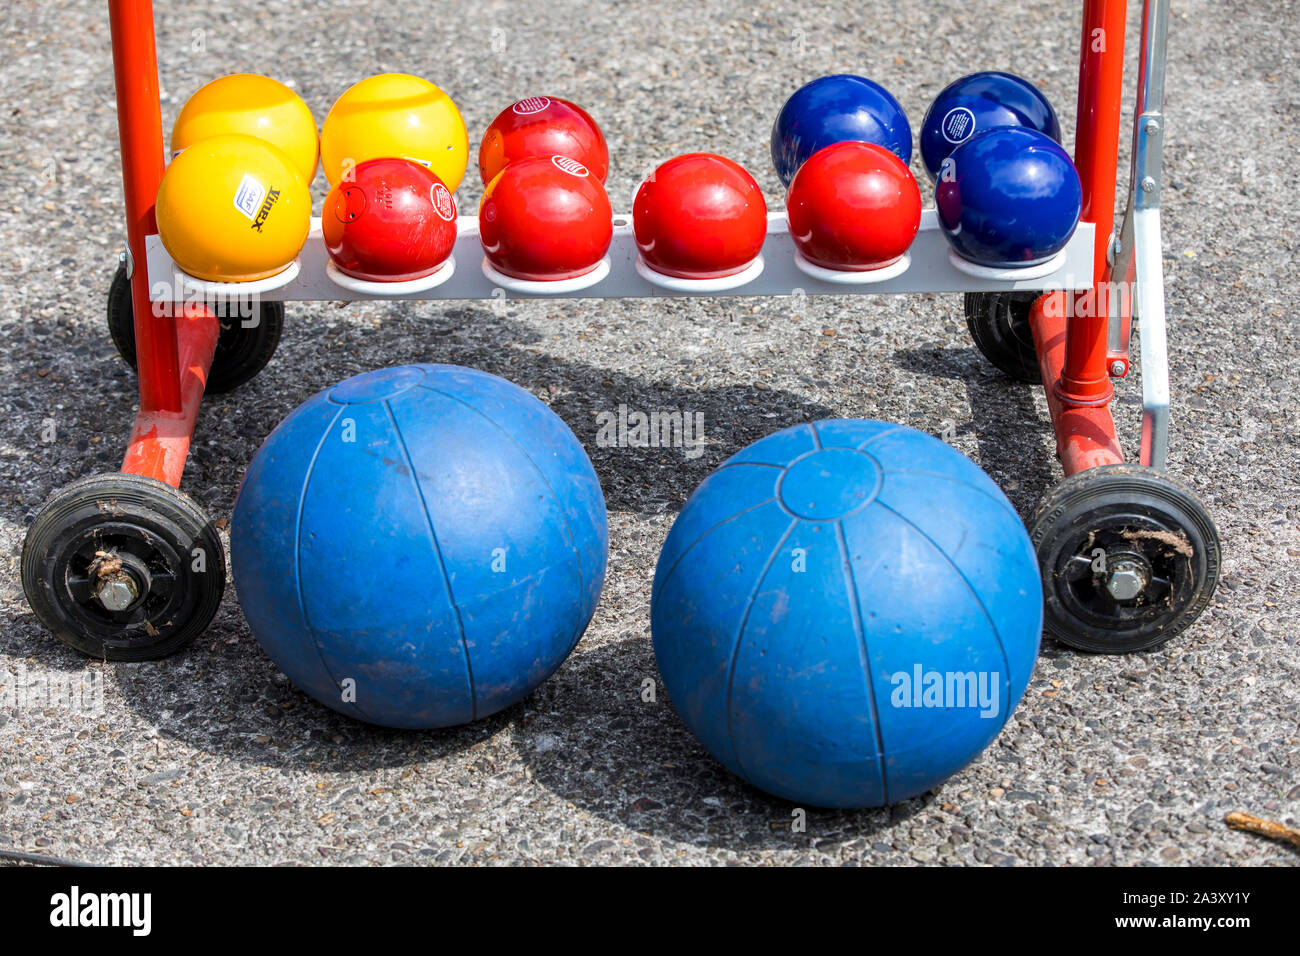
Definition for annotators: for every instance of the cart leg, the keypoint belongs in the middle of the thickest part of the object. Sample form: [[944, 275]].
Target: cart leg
[[174, 347], [1084, 378], [1071, 336], [124, 566], [1085, 434], [1129, 556], [160, 440]]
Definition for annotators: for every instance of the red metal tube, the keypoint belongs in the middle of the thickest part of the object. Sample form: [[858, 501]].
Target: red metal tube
[[1084, 377], [1085, 434], [160, 440], [139, 123]]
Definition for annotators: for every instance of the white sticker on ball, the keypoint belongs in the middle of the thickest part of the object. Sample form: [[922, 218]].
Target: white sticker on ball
[[443, 203], [570, 166], [958, 125], [249, 196], [531, 104]]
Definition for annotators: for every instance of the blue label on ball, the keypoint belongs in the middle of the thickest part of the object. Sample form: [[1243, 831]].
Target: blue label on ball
[[958, 125]]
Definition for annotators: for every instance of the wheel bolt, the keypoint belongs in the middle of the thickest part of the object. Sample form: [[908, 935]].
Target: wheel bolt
[[1125, 581], [117, 591]]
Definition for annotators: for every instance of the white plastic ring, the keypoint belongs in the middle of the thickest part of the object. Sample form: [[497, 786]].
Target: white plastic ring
[[1004, 273], [405, 287], [235, 290], [851, 277], [700, 286], [547, 286]]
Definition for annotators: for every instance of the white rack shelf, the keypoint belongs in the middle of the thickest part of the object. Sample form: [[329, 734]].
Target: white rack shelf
[[931, 271]]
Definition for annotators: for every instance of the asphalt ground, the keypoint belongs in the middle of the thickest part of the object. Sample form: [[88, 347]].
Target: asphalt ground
[[211, 756]]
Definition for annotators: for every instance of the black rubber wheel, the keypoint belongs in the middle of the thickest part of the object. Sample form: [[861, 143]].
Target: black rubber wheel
[[242, 350], [1129, 558], [123, 567], [999, 325]]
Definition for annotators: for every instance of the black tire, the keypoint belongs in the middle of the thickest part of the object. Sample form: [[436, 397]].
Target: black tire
[[999, 326], [123, 525], [242, 351], [1129, 521]]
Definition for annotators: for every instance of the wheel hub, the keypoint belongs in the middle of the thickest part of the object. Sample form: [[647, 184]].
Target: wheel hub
[[118, 591], [1127, 577], [122, 580]]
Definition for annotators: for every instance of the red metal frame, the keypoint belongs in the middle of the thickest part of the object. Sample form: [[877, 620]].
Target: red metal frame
[[173, 355], [174, 347], [1071, 342]]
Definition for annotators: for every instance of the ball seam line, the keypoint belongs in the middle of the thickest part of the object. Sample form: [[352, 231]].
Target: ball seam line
[[559, 502], [297, 559], [884, 434], [860, 627], [740, 637], [442, 564], [1006, 663], [1000, 498], [656, 594]]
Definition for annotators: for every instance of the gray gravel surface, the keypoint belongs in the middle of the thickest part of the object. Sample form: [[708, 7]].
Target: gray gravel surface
[[213, 757]]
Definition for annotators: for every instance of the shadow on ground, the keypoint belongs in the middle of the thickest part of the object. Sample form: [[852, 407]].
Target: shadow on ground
[[230, 428], [591, 738], [1015, 443]]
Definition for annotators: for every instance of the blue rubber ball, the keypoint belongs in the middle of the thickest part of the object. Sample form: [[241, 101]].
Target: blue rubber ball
[[846, 613], [419, 546], [1008, 198], [977, 103], [834, 109]]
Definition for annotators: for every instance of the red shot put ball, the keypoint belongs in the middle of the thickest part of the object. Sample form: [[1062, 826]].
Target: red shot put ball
[[699, 216], [545, 218], [853, 207], [392, 221], [542, 126]]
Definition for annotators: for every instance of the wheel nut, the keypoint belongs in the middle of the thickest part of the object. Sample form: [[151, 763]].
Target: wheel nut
[[1125, 582], [117, 591]]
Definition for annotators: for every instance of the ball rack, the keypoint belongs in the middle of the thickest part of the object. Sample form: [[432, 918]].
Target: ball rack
[[124, 566], [931, 270]]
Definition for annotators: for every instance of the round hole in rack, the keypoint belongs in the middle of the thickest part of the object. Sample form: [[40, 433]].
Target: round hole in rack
[[850, 276], [701, 286], [1037, 270], [547, 286], [186, 284], [408, 287]]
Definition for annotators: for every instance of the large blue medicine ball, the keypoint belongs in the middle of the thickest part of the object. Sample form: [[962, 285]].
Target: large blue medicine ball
[[846, 613], [1008, 198], [834, 109], [419, 546], [980, 102]]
